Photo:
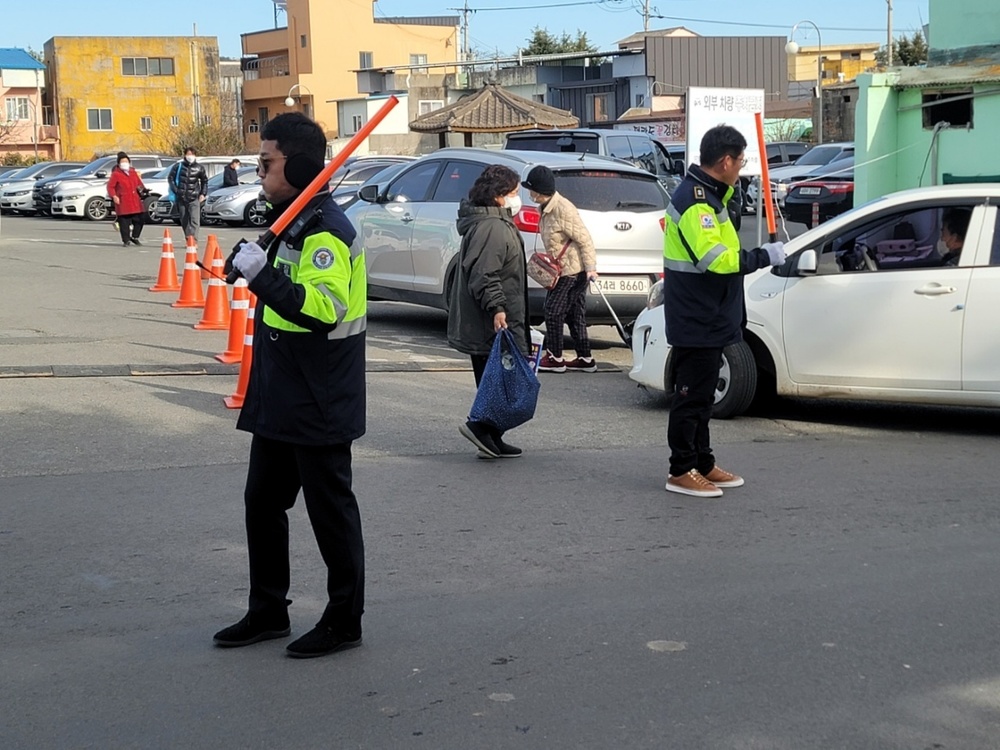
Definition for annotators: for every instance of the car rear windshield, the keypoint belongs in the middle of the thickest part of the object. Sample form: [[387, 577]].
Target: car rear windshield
[[589, 144], [606, 190], [819, 155]]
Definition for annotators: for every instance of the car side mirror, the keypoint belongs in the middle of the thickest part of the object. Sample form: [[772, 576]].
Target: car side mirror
[[679, 168], [805, 265], [369, 193], [101, 175]]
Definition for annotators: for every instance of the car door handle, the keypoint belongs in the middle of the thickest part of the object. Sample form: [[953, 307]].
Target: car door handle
[[933, 290], [406, 218]]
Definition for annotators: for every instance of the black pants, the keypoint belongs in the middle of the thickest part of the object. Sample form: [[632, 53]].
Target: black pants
[[478, 367], [276, 473], [130, 220], [566, 303], [696, 375]]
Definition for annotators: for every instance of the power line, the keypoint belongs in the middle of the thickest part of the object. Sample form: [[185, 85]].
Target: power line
[[755, 25]]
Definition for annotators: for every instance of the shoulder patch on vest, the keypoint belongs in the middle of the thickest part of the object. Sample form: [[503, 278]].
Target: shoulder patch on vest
[[699, 192], [707, 221], [322, 259]]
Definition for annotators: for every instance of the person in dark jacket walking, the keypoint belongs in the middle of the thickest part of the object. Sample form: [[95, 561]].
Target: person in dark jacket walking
[[126, 191], [305, 400], [230, 175], [490, 291], [704, 304], [189, 182]]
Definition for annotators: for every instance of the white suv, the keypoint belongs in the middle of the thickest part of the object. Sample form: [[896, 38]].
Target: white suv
[[408, 224]]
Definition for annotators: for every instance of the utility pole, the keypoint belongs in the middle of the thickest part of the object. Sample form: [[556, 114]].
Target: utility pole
[[889, 36], [645, 17], [465, 10]]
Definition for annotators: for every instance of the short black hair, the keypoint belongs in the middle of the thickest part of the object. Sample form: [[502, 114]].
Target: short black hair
[[496, 180], [191, 150], [956, 221], [719, 142], [296, 134]]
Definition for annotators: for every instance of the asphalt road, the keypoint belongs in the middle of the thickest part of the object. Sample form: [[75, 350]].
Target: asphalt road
[[845, 598]]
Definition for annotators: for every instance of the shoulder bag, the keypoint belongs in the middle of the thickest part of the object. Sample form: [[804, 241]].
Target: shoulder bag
[[544, 269]]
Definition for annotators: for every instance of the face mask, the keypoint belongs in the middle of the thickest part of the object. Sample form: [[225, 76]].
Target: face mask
[[124, 166], [189, 158], [513, 203]]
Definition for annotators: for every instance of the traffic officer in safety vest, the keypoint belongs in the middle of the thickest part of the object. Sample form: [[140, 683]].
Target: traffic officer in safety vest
[[305, 400], [704, 305]]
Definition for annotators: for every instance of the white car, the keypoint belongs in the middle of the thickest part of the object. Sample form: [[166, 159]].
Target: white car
[[864, 308]]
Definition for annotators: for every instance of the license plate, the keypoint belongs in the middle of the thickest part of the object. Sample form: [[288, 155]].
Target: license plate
[[810, 191], [624, 284]]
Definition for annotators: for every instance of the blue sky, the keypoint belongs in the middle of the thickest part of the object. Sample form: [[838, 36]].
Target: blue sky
[[605, 21]]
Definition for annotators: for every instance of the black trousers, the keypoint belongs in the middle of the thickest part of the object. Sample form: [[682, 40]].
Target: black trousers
[[277, 471], [696, 375], [566, 302], [130, 226]]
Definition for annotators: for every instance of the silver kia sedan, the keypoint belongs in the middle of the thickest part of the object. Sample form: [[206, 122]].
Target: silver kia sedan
[[411, 241]]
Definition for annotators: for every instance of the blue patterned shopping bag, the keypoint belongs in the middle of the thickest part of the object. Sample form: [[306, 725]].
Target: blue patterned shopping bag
[[508, 390]]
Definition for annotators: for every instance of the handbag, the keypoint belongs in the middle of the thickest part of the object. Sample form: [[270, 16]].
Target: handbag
[[142, 192], [544, 269], [508, 390]]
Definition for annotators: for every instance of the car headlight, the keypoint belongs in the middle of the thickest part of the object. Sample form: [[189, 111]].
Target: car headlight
[[19, 192], [226, 199], [655, 296], [71, 197]]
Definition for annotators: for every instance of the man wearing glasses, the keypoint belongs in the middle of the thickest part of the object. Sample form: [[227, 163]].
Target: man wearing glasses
[[305, 401], [704, 304]]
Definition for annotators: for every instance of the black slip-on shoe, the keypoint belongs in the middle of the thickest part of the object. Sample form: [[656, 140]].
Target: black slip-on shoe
[[250, 630], [479, 435], [320, 641], [135, 241]]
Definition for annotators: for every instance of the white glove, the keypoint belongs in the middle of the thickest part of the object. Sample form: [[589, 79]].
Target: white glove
[[775, 252], [250, 260]]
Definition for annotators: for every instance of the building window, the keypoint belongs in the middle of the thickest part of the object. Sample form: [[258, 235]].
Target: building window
[[419, 59], [426, 106], [147, 66], [262, 116], [175, 121], [366, 60], [99, 119], [640, 100], [206, 119], [599, 107], [17, 108], [146, 123], [953, 107], [302, 40], [357, 122]]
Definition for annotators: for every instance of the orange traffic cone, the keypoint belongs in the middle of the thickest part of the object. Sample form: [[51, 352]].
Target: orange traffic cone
[[237, 323], [191, 292], [167, 280], [236, 400], [209, 255], [216, 315]]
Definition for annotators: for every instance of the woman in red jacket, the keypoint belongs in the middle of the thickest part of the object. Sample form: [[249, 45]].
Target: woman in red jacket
[[124, 188]]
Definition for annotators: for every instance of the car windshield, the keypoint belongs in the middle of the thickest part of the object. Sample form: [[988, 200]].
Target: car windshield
[[606, 190], [243, 174], [162, 174], [819, 155], [576, 143], [96, 166]]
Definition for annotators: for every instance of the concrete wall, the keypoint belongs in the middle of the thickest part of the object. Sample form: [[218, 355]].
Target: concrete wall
[[86, 73], [960, 24], [335, 35], [876, 138]]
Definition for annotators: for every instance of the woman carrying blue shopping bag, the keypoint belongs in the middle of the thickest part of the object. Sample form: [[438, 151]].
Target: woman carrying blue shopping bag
[[490, 292]]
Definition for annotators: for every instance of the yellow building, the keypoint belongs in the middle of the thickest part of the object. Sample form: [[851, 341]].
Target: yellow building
[[841, 62], [313, 58], [132, 94]]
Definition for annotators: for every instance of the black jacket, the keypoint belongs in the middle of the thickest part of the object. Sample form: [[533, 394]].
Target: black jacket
[[230, 178], [491, 277], [189, 181], [305, 387]]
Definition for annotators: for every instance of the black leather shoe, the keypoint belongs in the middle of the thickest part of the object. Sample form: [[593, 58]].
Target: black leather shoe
[[479, 435], [135, 241], [251, 630], [320, 641]]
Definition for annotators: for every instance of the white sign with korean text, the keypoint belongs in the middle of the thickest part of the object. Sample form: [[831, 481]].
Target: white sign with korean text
[[708, 107]]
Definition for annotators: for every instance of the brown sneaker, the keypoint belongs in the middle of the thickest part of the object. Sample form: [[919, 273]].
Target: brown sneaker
[[693, 483], [722, 478]]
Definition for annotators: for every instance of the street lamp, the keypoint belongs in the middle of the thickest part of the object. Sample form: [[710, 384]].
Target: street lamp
[[290, 100], [792, 48]]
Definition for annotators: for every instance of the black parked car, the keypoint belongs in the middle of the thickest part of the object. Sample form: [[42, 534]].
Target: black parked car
[[831, 188]]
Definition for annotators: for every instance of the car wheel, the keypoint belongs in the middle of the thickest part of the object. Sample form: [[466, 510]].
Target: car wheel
[[147, 205], [737, 382], [96, 209], [253, 216]]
